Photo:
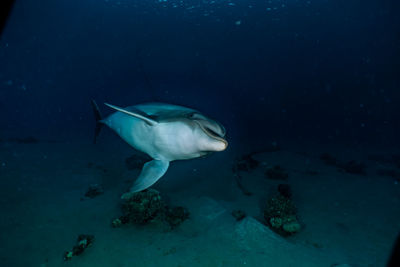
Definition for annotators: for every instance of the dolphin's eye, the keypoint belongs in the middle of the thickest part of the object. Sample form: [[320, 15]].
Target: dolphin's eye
[[193, 115]]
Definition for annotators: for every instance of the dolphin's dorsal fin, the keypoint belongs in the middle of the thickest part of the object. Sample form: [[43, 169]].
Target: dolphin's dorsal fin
[[136, 114]]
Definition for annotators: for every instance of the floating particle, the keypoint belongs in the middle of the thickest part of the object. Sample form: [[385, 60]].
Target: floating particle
[[238, 22]]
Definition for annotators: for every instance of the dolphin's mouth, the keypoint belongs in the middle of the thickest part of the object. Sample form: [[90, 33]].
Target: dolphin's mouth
[[211, 133]]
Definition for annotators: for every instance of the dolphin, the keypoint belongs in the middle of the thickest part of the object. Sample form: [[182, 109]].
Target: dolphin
[[165, 132]]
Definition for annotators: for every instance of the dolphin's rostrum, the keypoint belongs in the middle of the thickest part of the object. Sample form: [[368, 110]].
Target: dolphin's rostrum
[[165, 132]]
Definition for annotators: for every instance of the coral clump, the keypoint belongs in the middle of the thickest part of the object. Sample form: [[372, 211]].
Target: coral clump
[[280, 214], [147, 206], [143, 206]]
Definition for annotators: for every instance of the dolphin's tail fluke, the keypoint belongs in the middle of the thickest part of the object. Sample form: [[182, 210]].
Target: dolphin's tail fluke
[[97, 116]]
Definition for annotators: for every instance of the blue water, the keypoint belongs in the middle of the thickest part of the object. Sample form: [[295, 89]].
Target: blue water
[[328, 69], [312, 76]]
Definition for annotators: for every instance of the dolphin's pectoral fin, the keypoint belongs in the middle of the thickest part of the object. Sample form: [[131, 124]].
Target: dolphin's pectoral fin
[[151, 172]]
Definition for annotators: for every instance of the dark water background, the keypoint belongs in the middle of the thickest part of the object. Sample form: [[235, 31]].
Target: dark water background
[[318, 70]]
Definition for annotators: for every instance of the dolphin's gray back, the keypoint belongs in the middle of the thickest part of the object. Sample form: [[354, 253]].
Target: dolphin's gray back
[[162, 111]]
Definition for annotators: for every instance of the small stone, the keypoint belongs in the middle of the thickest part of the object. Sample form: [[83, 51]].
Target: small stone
[[238, 215], [68, 255], [94, 190], [116, 223], [83, 242]]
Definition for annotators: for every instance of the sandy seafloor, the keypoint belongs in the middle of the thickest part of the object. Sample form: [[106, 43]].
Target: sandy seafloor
[[348, 219]]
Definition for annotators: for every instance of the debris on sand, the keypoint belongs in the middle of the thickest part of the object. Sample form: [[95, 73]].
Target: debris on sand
[[245, 163], [176, 215], [389, 173], [238, 215], [329, 159], [94, 190], [393, 159], [82, 243], [276, 173], [352, 166]]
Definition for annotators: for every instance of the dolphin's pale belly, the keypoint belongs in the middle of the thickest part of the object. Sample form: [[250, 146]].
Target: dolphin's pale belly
[[132, 130], [166, 141], [175, 141]]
